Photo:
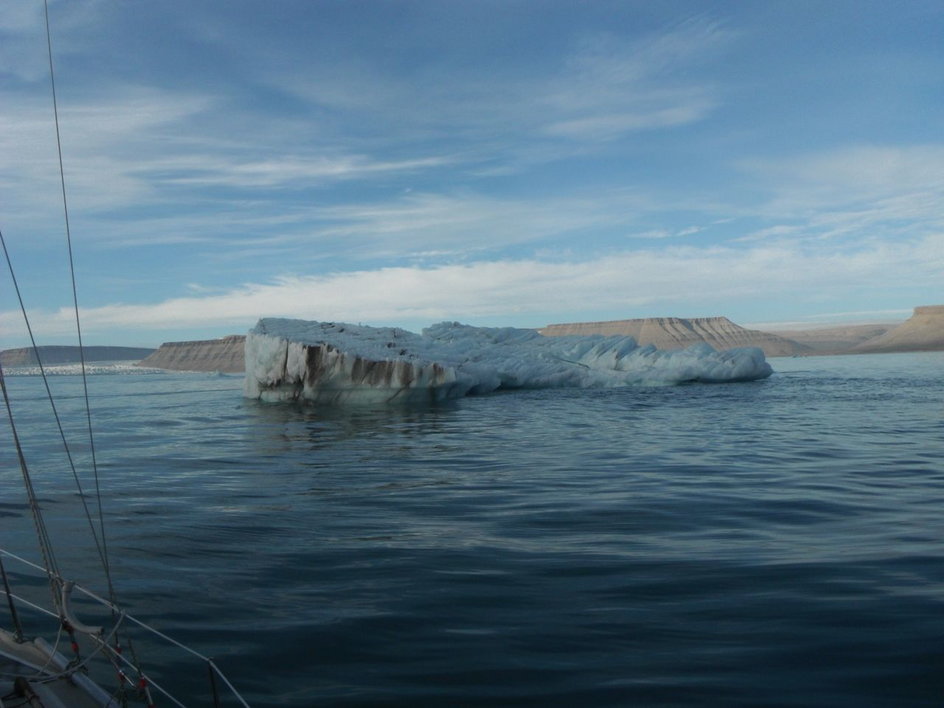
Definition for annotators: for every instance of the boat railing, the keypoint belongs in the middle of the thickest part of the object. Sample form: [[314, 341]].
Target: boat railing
[[100, 639]]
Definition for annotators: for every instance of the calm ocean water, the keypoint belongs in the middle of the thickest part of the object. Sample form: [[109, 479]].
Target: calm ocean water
[[776, 543]]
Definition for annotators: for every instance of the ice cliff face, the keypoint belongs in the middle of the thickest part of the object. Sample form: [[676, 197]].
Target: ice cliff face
[[678, 333], [335, 363]]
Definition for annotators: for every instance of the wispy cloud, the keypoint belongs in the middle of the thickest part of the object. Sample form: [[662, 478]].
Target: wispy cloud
[[105, 143], [858, 192], [606, 126], [291, 170], [666, 233], [160, 147], [603, 87], [865, 170], [895, 181], [468, 223], [610, 87]]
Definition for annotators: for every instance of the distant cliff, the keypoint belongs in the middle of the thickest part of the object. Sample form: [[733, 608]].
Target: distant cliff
[[841, 339], [225, 354], [923, 331], [678, 333], [51, 354]]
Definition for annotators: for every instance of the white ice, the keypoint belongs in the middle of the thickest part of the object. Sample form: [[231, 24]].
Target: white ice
[[331, 362], [91, 369]]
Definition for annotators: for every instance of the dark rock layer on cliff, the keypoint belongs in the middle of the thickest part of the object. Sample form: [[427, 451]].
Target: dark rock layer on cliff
[[54, 354], [225, 355], [679, 333]]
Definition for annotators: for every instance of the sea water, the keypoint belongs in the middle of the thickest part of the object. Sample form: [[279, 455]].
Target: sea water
[[774, 543]]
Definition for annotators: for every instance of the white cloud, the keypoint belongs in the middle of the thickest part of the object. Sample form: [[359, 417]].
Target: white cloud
[[770, 232], [276, 171], [665, 233], [670, 281], [652, 233]]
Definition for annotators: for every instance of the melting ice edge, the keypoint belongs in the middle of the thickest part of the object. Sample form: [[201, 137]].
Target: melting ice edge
[[330, 362]]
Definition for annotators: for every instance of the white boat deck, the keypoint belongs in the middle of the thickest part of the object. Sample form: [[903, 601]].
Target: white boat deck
[[33, 675]]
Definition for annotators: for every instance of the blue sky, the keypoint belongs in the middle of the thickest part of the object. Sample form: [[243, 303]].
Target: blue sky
[[492, 162]]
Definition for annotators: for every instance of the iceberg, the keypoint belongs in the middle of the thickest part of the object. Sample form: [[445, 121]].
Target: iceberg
[[338, 363]]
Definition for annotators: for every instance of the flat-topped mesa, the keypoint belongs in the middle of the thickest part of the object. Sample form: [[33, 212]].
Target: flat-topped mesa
[[933, 310], [336, 363], [679, 333], [225, 355], [923, 331]]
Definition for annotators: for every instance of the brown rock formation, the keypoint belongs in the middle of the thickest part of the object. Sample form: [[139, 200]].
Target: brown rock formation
[[225, 355], [678, 333], [835, 340], [923, 331]]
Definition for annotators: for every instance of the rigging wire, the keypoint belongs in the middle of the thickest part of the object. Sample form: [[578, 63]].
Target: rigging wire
[[50, 565], [103, 548], [102, 545], [42, 533]]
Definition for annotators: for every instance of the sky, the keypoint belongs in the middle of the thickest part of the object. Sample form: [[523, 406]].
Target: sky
[[493, 162]]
